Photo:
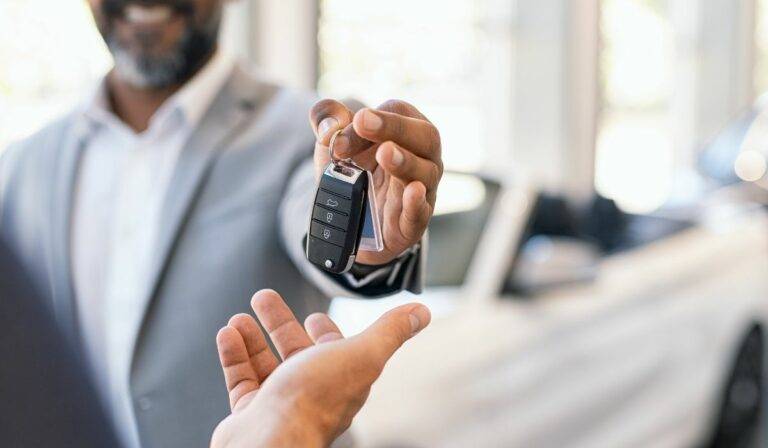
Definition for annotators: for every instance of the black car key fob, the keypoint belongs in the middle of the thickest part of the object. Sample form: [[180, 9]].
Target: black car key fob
[[338, 213]]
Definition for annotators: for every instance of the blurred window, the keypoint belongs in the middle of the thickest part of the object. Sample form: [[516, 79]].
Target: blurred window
[[761, 47], [50, 54], [635, 153], [436, 56]]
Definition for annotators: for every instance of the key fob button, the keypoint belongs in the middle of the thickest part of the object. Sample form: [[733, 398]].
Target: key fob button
[[333, 202], [338, 187], [332, 218], [323, 254], [327, 233]]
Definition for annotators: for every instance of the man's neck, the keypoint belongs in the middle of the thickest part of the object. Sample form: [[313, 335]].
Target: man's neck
[[136, 106]]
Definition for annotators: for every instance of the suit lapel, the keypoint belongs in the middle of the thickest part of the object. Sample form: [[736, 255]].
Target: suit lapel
[[65, 169], [221, 123]]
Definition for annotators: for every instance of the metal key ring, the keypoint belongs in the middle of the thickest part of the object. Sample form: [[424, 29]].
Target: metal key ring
[[334, 159]]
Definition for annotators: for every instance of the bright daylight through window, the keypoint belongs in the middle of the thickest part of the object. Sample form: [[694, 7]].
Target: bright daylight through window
[[50, 54], [761, 48], [635, 156]]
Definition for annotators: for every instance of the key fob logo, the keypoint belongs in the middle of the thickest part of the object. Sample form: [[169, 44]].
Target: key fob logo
[[329, 216], [326, 233], [332, 203]]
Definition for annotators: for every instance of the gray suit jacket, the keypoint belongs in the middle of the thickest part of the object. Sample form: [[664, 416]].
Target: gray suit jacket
[[233, 222]]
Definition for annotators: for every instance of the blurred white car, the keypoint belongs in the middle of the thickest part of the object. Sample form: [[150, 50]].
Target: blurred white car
[[564, 326]]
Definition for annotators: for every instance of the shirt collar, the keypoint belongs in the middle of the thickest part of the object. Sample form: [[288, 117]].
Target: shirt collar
[[192, 100], [197, 95]]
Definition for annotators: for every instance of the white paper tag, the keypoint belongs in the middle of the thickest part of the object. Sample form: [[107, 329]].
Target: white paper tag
[[371, 240]]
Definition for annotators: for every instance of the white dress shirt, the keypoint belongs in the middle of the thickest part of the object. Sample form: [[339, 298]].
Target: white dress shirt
[[122, 181]]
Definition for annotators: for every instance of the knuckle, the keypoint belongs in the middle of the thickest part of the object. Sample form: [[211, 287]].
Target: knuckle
[[414, 222], [433, 138], [355, 141], [434, 175], [398, 107], [390, 105], [353, 104], [324, 108], [396, 126]]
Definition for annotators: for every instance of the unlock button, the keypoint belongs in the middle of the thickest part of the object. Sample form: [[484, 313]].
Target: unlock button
[[330, 217]]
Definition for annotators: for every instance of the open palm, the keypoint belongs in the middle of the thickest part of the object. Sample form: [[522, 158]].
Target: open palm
[[322, 381]]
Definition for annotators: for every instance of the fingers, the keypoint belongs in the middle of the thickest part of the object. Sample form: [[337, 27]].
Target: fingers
[[419, 136], [239, 375], [260, 355], [326, 116], [417, 212], [401, 107], [382, 339], [350, 145], [284, 330], [408, 167], [396, 121], [321, 328]]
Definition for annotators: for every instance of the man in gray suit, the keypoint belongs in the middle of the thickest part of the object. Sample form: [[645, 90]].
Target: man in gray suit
[[179, 187]]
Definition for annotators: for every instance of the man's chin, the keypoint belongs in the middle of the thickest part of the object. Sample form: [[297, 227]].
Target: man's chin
[[148, 73]]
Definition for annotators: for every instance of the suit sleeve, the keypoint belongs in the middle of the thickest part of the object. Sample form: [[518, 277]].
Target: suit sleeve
[[404, 273], [46, 394]]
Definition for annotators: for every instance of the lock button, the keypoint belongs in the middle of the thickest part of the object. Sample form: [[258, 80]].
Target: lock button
[[327, 233], [333, 202]]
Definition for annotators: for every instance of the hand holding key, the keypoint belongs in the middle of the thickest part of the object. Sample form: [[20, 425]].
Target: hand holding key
[[402, 149]]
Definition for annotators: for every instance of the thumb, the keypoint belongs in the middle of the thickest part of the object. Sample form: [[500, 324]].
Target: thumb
[[385, 336]]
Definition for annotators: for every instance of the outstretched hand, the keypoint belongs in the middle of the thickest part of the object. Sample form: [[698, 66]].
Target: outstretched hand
[[309, 395]]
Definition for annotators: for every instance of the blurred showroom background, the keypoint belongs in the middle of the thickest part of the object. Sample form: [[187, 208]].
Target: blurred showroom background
[[599, 255]]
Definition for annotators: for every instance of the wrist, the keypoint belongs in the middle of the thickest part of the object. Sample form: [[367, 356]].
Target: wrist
[[280, 424], [299, 425], [303, 436], [362, 270], [376, 260]]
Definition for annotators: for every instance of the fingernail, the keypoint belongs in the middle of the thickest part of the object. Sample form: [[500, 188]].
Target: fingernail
[[397, 156], [326, 125], [419, 318], [371, 121]]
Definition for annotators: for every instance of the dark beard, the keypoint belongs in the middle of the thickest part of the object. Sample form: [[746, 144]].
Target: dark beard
[[160, 71], [176, 67]]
